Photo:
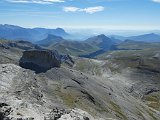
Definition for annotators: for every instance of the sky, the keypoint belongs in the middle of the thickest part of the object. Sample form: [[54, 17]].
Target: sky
[[82, 14]]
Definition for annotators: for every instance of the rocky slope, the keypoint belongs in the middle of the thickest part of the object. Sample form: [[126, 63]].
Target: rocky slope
[[81, 88], [11, 51], [25, 95], [133, 74]]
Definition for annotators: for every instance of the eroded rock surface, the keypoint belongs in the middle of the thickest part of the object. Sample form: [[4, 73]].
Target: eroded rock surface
[[40, 60], [100, 87], [25, 95]]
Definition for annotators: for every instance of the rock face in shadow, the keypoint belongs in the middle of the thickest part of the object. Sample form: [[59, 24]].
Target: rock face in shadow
[[40, 60]]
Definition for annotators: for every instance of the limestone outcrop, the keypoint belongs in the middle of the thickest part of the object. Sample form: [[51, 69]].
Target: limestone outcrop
[[40, 60]]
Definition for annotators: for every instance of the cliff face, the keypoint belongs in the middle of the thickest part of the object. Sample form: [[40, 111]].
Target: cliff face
[[40, 60]]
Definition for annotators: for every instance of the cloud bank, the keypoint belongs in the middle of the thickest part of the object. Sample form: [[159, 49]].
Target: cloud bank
[[89, 10], [36, 1], [158, 1]]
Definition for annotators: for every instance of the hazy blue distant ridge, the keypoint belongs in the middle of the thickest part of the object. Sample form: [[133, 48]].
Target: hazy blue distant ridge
[[13, 32]]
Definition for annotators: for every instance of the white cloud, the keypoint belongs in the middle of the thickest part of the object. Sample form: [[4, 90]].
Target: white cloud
[[158, 1], [92, 10], [36, 1], [71, 9], [89, 10]]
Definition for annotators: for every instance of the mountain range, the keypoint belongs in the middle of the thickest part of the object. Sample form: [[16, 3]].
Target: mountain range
[[78, 48], [13, 32], [151, 37]]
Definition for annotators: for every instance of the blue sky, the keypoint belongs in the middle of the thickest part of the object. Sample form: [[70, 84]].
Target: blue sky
[[93, 14]]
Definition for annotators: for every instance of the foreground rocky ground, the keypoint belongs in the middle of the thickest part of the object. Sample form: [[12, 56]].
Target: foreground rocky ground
[[79, 89], [25, 95]]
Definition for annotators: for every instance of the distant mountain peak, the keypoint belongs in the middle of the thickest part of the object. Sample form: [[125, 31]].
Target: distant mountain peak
[[61, 29], [51, 39], [98, 37], [101, 41], [150, 37], [13, 32], [9, 26], [101, 35], [149, 34]]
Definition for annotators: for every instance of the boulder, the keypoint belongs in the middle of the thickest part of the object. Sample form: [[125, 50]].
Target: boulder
[[40, 60]]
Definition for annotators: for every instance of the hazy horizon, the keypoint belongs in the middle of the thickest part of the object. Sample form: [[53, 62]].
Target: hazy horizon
[[96, 31]]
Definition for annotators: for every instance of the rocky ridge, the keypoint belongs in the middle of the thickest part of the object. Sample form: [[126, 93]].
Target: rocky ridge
[[40, 60]]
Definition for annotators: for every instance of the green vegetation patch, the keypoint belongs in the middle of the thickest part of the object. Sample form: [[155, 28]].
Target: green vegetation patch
[[117, 109], [153, 100]]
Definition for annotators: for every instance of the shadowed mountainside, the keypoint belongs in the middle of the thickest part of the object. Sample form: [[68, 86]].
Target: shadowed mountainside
[[66, 46], [90, 47]]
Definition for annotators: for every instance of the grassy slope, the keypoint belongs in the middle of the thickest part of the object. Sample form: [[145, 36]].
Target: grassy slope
[[74, 48], [146, 57]]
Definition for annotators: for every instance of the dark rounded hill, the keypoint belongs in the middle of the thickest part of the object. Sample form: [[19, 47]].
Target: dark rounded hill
[[40, 60], [51, 39], [101, 41]]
